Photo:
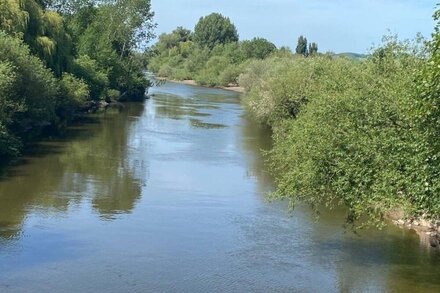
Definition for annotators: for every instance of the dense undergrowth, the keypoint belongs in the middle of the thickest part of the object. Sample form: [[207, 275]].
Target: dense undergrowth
[[363, 134], [57, 56]]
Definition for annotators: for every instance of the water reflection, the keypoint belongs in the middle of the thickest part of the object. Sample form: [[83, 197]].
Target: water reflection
[[158, 200], [255, 140], [96, 162]]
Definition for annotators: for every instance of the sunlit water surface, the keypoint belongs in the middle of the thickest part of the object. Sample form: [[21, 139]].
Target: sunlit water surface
[[169, 196]]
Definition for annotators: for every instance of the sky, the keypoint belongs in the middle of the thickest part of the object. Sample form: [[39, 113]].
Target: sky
[[336, 25]]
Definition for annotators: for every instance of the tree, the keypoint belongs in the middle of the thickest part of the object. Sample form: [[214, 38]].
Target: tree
[[301, 47], [29, 89], [257, 48], [313, 48], [13, 19], [304, 48], [168, 41], [215, 29], [109, 34], [57, 54]]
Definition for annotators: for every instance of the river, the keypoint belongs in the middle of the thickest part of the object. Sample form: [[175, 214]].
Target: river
[[170, 196]]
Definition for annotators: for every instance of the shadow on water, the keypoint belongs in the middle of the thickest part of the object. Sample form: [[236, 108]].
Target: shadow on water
[[92, 162], [199, 222], [257, 139], [80, 129]]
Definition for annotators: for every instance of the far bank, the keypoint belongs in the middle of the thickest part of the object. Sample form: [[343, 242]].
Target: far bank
[[234, 88]]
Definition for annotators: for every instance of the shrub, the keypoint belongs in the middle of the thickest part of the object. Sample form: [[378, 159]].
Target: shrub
[[96, 78], [113, 95], [165, 71], [210, 74], [10, 146], [35, 88], [345, 131], [257, 48], [73, 93]]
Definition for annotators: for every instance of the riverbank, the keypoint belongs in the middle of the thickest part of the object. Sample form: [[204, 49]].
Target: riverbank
[[234, 88], [428, 230]]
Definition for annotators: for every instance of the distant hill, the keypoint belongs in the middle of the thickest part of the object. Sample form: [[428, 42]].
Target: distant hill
[[352, 55]]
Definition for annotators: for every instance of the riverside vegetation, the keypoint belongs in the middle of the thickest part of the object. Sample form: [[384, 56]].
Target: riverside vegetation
[[363, 134], [57, 56], [212, 55], [360, 132]]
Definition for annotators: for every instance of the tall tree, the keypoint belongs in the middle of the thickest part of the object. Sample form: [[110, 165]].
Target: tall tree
[[301, 47], [213, 30], [313, 48], [167, 41]]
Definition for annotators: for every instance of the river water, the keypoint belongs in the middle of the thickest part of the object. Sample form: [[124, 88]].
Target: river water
[[170, 196]]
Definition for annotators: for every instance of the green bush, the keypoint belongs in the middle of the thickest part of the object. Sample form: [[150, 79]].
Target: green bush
[[278, 87], [229, 75], [7, 105], [10, 146], [165, 71], [73, 93], [113, 95], [257, 48], [181, 74], [345, 132], [96, 78], [35, 89], [211, 73]]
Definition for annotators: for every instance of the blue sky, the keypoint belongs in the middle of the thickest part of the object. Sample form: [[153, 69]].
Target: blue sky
[[336, 25]]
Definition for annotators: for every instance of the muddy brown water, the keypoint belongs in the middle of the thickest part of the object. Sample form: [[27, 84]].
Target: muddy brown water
[[169, 196]]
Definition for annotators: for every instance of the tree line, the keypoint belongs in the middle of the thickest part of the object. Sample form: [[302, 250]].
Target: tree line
[[212, 54], [58, 55]]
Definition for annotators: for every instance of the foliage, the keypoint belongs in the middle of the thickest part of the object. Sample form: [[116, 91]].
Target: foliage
[[258, 48], [109, 34], [214, 67], [34, 88], [214, 29], [28, 97], [219, 61], [304, 48], [428, 120], [313, 48], [10, 146], [89, 70], [277, 87], [301, 47], [74, 92], [168, 41], [13, 18], [57, 55], [352, 133]]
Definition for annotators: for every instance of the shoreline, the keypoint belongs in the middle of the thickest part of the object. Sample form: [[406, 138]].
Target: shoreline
[[192, 82], [427, 230]]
